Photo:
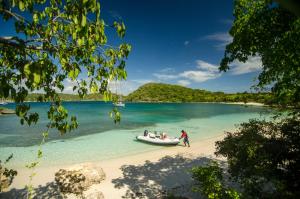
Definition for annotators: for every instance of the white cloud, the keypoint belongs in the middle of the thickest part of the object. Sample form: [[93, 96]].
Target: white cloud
[[206, 66], [251, 65], [186, 43], [167, 70], [69, 84], [222, 38], [127, 86], [165, 76], [207, 71], [199, 76], [204, 71], [183, 82], [121, 87]]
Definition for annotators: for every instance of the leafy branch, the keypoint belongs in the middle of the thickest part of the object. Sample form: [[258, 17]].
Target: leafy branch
[[57, 41]]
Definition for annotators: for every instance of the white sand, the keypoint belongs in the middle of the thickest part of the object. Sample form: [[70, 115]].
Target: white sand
[[146, 173], [237, 103], [246, 104]]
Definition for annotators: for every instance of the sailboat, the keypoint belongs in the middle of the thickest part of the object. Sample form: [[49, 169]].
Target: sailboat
[[2, 102], [119, 102]]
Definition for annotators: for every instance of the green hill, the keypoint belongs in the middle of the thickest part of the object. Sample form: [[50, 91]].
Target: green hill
[[66, 97], [158, 92], [33, 97]]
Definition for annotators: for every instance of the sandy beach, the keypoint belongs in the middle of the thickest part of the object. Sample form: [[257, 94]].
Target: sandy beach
[[143, 175], [246, 104]]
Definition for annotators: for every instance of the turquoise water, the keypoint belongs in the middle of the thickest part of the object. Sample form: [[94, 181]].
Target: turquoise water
[[98, 138]]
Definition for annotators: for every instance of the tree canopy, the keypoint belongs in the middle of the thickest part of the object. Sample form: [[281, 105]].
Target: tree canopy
[[56, 41], [266, 29], [264, 156]]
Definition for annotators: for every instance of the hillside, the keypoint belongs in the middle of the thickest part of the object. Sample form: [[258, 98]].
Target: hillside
[[33, 97], [158, 92], [66, 97]]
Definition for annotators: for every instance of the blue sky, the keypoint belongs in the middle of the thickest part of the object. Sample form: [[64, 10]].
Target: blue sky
[[180, 42], [175, 41]]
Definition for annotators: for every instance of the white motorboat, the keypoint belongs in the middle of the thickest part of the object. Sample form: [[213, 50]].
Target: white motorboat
[[156, 139], [120, 104]]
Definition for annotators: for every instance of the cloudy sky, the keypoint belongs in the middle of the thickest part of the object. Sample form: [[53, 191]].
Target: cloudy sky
[[180, 42], [176, 41]]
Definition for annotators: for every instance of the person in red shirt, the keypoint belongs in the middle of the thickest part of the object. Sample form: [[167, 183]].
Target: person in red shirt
[[185, 137]]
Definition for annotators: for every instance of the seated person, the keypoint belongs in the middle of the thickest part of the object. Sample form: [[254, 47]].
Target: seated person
[[163, 135], [145, 132]]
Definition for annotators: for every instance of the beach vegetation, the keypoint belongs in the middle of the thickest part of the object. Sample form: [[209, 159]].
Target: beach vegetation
[[210, 182], [264, 156]]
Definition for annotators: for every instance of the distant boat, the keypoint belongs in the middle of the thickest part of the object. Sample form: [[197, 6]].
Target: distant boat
[[120, 104], [2, 102], [119, 101], [156, 139]]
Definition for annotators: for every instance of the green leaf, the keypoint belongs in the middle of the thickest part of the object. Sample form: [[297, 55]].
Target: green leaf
[[74, 35], [94, 88], [45, 134], [40, 153], [80, 42], [21, 5], [36, 78], [73, 74], [35, 18], [27, 70], [83, 20]]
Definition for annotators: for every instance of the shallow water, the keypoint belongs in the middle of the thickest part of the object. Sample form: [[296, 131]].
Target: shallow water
[[98, 138]]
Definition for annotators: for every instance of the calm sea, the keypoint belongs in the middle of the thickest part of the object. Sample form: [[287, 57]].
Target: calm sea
[[98, 138]]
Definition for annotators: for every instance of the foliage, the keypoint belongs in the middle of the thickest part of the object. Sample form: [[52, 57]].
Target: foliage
[[158, 92], [37, 97], [65, 97], [266, 29], [6, 175], [210, 183], [56, 41], [53, 42], [265, 157]]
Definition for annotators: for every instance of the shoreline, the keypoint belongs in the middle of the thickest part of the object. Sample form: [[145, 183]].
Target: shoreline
[[155, 102], [114, 168]]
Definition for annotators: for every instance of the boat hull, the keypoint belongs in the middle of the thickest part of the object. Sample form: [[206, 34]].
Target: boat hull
[[158, 141]]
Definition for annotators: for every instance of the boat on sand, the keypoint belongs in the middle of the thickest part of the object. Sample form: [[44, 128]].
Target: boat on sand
[[157, 139]]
